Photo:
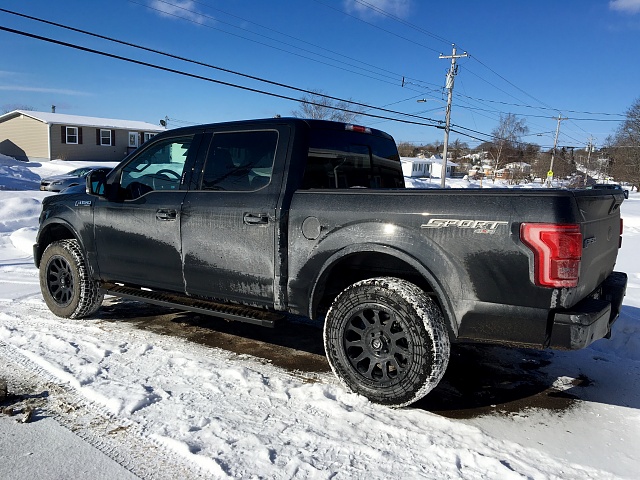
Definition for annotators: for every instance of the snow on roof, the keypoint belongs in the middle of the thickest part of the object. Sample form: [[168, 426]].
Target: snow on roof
[[415, 160], [64, 119], [517, 165], [438, 161]]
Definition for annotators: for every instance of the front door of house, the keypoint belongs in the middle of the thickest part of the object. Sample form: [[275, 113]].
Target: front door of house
[[134, 142]]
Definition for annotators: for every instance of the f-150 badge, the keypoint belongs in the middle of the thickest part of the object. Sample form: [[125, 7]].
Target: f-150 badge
[[478, 226]]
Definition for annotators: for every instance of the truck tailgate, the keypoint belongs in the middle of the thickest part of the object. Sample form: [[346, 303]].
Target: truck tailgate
[[601, 231]]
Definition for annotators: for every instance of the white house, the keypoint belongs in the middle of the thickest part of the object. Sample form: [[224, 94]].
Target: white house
[[415, 166], [425, 167]]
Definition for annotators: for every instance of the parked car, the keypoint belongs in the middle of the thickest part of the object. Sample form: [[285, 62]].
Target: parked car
[[610, 186], [57, 183]]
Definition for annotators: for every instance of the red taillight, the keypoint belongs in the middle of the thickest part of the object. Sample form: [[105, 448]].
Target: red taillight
[[557, 251], [621, 228]]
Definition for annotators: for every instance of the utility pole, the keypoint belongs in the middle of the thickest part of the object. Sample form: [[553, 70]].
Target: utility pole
[[553, 152], [453, 70], [589, 150]]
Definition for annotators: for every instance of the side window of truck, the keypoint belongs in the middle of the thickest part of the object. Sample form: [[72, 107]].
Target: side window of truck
[[240, 161], [159, 167], [351, 160]]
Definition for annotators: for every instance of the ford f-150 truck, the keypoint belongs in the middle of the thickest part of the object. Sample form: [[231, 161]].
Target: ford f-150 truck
[[256, 220]]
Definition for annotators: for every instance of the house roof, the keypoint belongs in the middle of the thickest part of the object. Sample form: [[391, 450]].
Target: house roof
[[81, 121]]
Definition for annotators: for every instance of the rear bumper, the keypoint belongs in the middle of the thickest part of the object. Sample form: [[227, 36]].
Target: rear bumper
[[592, 318]]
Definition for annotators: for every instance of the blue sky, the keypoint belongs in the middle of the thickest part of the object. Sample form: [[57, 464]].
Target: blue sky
[[536, 59]]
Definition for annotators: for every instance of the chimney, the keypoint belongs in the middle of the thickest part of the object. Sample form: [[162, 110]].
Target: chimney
[[53, 109]]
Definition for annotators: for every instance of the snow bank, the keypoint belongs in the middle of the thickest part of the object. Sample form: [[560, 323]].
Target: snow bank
[[16, 176]]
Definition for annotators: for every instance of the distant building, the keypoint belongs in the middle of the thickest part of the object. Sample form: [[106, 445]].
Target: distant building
[[425, 167], [514, 170], [44, 136], [521, 167]]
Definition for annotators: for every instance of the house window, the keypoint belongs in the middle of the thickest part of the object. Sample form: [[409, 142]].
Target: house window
[[148, 136], [105, 137], [72, 135]]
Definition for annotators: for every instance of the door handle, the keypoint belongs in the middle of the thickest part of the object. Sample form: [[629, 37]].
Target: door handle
[[166, 214], [256, 218]]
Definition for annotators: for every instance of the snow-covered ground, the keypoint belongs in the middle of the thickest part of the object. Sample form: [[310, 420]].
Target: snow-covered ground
[[117, 399]]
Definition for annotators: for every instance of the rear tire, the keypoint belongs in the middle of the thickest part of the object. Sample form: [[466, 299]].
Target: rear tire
[[385, 339], [66, 286]]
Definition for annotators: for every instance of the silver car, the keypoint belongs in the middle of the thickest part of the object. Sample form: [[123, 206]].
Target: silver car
[[74, 177]]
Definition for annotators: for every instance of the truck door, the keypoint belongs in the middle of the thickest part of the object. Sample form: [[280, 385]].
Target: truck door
[[137, 229], [230, 222]]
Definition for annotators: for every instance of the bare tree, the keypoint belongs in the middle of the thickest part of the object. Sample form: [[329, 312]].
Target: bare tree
[[624, 148], [406, 149], [458, 149], [319, 106], [10, 107], [507, 137]]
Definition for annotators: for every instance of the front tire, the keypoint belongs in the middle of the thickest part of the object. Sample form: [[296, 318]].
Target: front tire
[[385, 339], [66, 286]]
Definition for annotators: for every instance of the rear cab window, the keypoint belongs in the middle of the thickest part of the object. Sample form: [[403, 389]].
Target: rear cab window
[[351, 159]]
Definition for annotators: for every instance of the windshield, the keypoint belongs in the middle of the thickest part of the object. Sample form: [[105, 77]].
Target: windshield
[[79, 172]]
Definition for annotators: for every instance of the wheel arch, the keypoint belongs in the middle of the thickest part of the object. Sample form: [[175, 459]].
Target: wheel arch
[[52, 232], [364, 261]]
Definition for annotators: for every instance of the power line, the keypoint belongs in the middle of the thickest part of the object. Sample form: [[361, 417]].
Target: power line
[[509, 82], [539, 108], [419, 29], [396, 77], [196, 62], [395, 82], [384, 118], [545, 106], [376, 26], [379, 10], [219, 82], [530, 115]]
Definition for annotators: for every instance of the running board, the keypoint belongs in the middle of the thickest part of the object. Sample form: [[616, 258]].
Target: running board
[[233, 312]]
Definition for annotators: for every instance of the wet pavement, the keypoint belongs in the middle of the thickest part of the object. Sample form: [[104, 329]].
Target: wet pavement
[[480, 379]]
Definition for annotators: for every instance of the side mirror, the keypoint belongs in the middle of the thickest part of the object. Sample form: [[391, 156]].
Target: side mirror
[[96, 181]]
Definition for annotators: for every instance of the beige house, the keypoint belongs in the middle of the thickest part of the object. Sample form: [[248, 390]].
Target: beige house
[[43, 136]]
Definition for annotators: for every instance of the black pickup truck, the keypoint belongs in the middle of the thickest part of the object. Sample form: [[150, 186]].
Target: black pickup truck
[[257, 220]]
